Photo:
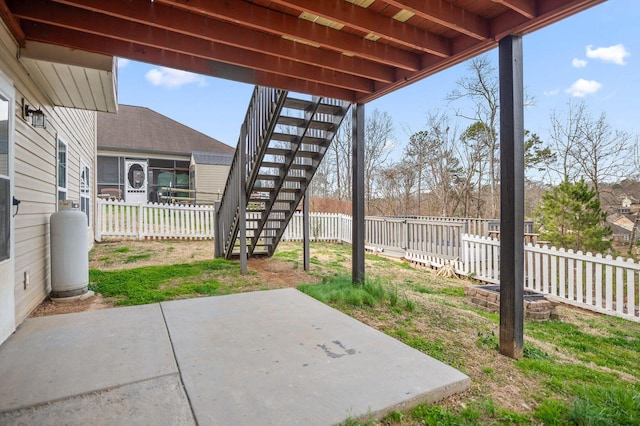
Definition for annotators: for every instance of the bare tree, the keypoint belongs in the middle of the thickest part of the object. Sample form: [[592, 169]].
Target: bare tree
[[473, 152], [397, 194], [416, 152], [443, 167], [566, 132], [588, 147], [605, 154], [340, 156], [481, 86], [378, 148]]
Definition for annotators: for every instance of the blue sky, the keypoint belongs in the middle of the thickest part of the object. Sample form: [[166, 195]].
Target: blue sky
[[593, 56]]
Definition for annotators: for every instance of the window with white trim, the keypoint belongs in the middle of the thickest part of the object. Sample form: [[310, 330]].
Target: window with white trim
[[62, 170], [5, 183], [85, 191]]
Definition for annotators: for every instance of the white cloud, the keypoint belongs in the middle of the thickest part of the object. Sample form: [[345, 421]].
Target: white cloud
[[122, 62], [581, 88], [615, 53], [551, 92], [579, 63], [171, 78]]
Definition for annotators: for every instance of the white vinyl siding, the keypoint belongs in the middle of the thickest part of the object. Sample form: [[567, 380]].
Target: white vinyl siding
[[35, 177], [209, 181]]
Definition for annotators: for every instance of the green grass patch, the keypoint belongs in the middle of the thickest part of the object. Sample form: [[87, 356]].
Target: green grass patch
[[481, 412], [618, 348], [137, 257], [612, 405], [160, 283], [436, 348], [293, 254], [122, 250], [340, 291], [445, 291]]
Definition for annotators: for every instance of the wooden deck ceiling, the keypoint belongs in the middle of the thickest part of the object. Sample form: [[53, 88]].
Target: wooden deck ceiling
[[356, 50]]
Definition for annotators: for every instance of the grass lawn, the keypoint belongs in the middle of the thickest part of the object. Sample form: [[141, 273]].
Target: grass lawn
[[581, 369]]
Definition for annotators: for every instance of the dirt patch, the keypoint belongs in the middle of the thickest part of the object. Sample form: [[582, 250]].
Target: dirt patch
[[273, 273], [264, 274], [93, 303], [114, 255]]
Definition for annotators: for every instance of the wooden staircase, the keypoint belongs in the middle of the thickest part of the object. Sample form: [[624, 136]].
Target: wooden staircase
[[282, 142]]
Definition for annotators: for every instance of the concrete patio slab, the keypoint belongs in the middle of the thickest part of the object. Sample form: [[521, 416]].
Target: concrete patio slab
[[273, 357], [60, 356], [159, 401], [280, 357]]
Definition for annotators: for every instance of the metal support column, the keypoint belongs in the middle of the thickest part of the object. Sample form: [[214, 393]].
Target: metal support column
[[305, 230], [217, 241], [357, 196], [511, 196], [242, 207]]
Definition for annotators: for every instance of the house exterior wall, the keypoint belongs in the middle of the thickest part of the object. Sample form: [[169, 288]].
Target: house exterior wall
[[209, 181], [35, 177]]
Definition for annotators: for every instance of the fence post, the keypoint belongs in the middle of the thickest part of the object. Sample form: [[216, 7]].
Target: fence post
[[98, 222], [140, 233], [464, 255], [405, 235]]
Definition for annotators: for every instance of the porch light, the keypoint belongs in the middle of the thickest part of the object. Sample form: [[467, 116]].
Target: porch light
[[38, 119]]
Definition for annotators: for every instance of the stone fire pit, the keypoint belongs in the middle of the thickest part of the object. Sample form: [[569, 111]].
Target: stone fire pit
[[536, 306]]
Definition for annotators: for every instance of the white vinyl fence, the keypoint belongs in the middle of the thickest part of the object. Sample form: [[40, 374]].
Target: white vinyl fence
[[594, 282], [600, 283], [119, 219]]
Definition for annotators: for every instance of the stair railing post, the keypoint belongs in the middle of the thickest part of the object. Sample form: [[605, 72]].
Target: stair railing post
[[242, 206]]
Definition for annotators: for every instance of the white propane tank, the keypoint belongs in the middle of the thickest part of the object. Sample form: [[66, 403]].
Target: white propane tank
[[69, 251]]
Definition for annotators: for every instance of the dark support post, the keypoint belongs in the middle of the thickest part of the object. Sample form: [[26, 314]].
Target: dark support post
[[357, 196], [242, 203], [217, 252], [511, 197], [305, 226]]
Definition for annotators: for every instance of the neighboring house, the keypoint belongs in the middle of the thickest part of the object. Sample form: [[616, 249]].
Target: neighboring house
[[620, 234], [628, 205], [622, 226], [142, 153], [626, 220], [208, 175], [41, 165]]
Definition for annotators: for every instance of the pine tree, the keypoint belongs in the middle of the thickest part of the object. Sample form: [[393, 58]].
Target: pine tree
[[570, 216]]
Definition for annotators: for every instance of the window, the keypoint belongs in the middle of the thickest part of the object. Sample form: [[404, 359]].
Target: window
[[85, 191], [62, 170], [109, 176], [5, 187]]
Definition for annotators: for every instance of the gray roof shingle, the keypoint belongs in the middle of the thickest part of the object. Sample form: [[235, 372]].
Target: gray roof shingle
[[212, 158], [141, 129]]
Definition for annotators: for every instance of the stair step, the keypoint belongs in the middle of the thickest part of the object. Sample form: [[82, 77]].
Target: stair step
[[285, 137], [275, 165], [300, 122], [302, 104], [275, 210], [268, 177], [285, 151], [287, 178], [278, 151]]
